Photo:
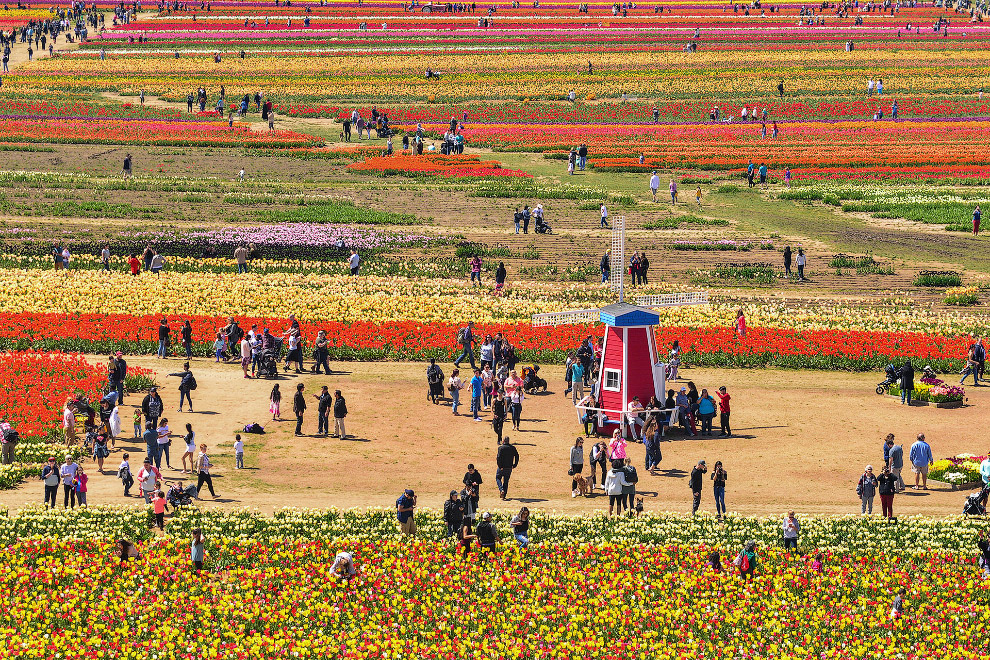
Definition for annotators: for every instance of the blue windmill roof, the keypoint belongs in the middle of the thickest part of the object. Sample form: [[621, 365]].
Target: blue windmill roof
[[624, 315]]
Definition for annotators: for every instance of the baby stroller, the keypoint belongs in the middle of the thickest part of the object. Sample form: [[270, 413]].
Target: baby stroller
[[543, 227], [178, 496], [269, 358], [891, 379], [976, 504], [532, 381]]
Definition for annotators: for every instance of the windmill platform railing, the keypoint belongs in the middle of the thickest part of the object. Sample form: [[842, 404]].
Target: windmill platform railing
[[566, 318], [673, 299]]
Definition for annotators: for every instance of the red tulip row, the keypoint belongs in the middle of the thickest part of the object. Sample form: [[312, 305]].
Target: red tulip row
[[409, 340]]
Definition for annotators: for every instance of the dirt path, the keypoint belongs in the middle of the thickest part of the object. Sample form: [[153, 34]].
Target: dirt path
[[802, 439]]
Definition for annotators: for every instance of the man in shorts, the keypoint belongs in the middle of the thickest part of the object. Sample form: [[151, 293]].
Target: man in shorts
[[921, 459]]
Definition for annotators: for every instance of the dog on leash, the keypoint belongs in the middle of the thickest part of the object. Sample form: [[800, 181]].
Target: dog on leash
[[639, 505]]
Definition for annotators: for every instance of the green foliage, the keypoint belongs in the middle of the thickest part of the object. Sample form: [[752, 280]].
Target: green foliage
[[938, 278], [742, 274], [336, 212]]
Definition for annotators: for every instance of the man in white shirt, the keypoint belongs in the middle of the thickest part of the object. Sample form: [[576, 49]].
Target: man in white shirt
[[245, 355], [354, 262], [654, 184], [604, 217], [68, 474], [148, 478]]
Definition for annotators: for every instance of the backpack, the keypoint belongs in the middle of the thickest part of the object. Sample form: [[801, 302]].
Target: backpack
[[11, 437], [188, 382], [461, 335], [859, 487], [154, 407], [743, 562], [632, 476], [254, 428]]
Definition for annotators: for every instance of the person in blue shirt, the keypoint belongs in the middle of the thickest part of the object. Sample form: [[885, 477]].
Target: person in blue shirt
[[921, 459], [477, 384], [985, 469], [577, 382]]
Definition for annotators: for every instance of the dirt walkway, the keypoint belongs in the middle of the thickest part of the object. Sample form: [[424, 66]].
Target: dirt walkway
[[802, 439]]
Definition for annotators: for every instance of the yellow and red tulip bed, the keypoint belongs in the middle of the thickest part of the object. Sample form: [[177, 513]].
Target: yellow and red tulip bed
[[508, 76], [271, 595]]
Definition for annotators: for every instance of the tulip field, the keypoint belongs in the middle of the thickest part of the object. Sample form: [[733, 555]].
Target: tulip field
[[174, 134], [264, 591]]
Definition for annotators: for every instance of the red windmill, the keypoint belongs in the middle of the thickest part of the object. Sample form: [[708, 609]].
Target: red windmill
[[629, 364]]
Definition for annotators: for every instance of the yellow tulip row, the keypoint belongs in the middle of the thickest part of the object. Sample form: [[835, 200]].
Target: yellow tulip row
[[320, 297]]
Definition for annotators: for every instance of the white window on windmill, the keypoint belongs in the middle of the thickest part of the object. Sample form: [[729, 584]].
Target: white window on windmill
[[613, 380]]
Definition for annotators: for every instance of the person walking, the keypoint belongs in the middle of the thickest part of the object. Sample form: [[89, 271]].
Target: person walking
[[465, 338], [204, 472], [506, 460], [718, 477], [976, 220], [867, 489], [791, 529], [604, 211], [275, 402], [299, 407], [654, 184], [477, 387], [887, 486], [405, 512], [697, 474], [323, 411], [500, 410], [921, 460], [454, 387], [673, 192], [787, 262]]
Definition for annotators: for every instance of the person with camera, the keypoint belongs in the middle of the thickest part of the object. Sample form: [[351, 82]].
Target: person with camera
[[696, 476]]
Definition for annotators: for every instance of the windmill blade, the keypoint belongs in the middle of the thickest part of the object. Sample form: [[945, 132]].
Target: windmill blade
[[566, 318], [618, 261], [673, 299]]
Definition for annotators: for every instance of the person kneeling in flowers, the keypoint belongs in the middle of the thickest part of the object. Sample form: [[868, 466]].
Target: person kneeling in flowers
[[343, 566]]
